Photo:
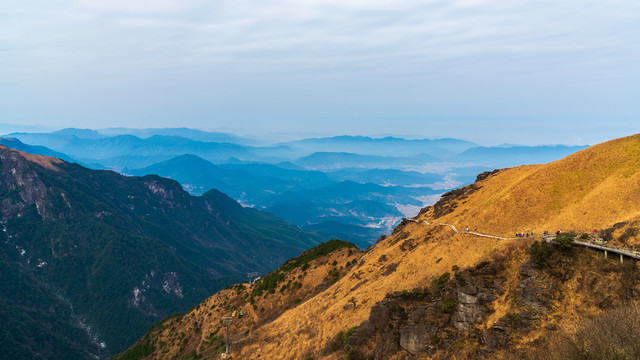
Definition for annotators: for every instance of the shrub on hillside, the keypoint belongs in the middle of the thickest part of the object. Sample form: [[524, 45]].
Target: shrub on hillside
[[565, 240], [539, 253], [268, 283], [439, 282], [448, 306], [340, 340]]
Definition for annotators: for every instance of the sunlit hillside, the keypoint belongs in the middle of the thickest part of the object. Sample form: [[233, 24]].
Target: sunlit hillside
[[427, 271], [595, 188]]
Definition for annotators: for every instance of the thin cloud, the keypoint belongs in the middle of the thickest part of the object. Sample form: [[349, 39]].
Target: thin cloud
[[423, 57]]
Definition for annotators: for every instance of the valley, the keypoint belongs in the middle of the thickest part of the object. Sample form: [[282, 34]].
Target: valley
[[355, 188]]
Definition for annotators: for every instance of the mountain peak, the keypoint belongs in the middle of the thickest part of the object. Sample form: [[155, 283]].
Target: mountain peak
[[44, 161]]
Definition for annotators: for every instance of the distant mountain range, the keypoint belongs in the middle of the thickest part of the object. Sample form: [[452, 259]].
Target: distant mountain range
[[106, 149], [90, 258], [192, 134], [302, 197], [248, 182], [387, 146], [16, 144], [315, 176], [340, 160]]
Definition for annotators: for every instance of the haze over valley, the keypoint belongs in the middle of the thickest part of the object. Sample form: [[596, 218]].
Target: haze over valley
[[355, 188]]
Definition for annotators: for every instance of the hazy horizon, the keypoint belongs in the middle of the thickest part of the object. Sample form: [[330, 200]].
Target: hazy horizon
[[531, 72], [555, 138]]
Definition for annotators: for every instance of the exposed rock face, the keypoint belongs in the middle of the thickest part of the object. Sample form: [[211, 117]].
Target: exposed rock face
[[418, 331], [20, 179], [424, 321], [486, 174], [431, 321], [378, 319], [469, 310], [532, 294], [449, 200]]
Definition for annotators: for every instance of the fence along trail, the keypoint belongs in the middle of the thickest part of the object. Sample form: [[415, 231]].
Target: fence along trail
[[548, 238]]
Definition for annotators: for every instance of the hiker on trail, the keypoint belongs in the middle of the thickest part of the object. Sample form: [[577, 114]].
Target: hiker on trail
[[527, 234], [467, 229]]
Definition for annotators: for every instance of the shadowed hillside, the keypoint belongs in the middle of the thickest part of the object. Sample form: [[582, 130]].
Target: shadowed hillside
[[93, 258]]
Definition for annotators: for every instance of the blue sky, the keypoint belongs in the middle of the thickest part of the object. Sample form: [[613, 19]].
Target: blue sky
[[491, 71]]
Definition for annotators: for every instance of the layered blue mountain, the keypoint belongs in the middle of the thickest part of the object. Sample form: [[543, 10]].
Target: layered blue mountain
[[507, 156], [16, 144], [192, 134], [307, 176], [387, 146], [338, 160], [80, 133], [386, 176], [304, 198], [90, 259], [369, 205], [250, 183], [128, 151]]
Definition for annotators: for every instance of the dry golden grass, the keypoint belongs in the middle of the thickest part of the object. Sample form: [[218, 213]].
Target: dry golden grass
[[594, 188], [244, 332], [309, 327], [44, 161]]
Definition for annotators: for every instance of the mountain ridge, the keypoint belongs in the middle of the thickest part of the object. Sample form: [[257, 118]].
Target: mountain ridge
[[122, 251], [426, 291]]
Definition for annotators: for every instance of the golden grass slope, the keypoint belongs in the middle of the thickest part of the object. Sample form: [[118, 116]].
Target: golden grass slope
[[594, 188], [308, 328], [44, 161]]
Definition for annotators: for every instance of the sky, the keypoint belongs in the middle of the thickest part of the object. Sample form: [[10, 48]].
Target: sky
[[489, 71]]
